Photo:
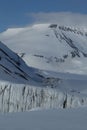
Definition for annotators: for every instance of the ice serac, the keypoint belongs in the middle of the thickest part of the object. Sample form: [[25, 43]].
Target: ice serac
[[16, 98]]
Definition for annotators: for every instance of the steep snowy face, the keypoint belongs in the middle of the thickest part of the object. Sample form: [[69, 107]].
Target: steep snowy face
[[69, 37], [50, 46], [13, 68], [11, 65]]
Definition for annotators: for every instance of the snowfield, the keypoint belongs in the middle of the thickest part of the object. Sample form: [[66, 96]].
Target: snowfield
[[68, 119]]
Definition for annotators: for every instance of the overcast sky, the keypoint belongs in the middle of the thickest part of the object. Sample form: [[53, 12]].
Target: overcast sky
[[17, 13]]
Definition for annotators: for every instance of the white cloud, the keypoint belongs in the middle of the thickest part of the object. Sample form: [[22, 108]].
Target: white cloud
[[67, 18]]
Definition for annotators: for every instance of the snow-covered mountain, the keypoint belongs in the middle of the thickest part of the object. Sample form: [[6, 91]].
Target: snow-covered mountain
[[53, 73], [50, 46]]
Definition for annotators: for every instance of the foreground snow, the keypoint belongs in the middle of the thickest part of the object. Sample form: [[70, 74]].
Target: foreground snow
[[69, 119]]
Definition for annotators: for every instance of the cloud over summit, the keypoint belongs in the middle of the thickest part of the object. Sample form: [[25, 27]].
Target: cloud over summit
[[66, 18]]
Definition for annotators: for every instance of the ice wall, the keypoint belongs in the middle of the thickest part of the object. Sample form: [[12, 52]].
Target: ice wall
[[17, 98]]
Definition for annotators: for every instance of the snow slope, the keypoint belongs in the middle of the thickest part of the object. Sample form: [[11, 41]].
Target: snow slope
[[50, 46], [69, 119], [14, 69]]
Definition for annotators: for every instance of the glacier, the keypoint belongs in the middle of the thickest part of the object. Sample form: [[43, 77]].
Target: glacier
[[19, 98]]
